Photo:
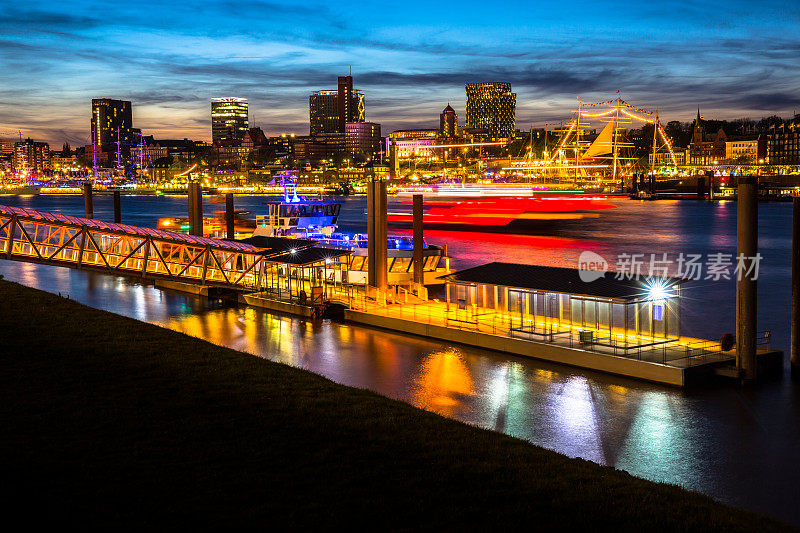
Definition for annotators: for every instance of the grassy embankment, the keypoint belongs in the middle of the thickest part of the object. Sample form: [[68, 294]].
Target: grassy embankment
[[108, 421]]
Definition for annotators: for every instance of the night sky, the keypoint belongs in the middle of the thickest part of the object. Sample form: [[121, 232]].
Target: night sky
[[733, 59]]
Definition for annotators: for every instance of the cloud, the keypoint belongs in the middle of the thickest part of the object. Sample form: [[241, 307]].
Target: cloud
[[169, 58]]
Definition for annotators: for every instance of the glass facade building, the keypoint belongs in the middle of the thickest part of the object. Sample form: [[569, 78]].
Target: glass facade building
[[491, 107], [363, 139], [229, 119], [329, 111], [109, 116], [323, 110]]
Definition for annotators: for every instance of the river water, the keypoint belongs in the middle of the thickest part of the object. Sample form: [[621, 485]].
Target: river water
[[737, 445]]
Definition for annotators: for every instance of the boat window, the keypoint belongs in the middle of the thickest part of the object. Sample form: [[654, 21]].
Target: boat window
[[359, 263], [401, 264], [431, 262]]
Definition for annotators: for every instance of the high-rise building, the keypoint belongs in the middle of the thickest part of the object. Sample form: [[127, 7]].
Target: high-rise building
[[448, 123], [363, 139], [329, 111], [31, 156], [346, 111], [111, 120], [323, 110], [491, 107], [229, 119]]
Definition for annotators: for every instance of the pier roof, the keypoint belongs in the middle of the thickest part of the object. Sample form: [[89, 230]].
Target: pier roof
[[555, 279], [309, 255], [278, 244]]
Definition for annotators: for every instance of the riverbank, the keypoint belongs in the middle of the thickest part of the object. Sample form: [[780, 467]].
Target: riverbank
[[112, 422]]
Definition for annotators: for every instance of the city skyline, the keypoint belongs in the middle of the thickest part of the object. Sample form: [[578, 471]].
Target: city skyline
[[732, 61]]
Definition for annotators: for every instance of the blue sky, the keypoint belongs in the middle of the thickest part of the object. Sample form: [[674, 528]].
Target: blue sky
[[733, 59]]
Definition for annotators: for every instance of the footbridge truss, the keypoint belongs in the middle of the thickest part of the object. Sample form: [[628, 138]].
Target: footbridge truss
[[57, 239]]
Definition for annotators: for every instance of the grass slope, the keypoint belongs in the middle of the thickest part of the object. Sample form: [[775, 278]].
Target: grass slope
[[110, 422]]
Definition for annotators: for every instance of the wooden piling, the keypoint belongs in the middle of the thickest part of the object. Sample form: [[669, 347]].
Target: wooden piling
[[229, 228], [417, 235], [88, 206], [746, 299], [117, 207], [795, 305]]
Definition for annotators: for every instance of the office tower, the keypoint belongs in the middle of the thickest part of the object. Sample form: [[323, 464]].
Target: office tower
[[448, 123], [108, 117], [229, 120], [345, 101], [491, 107], [363, 138], [323, 110]]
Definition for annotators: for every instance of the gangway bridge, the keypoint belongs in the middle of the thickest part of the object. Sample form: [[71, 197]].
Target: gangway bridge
[[56, 239]]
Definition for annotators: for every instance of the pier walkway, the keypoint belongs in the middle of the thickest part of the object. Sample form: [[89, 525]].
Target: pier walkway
[[64, 240]]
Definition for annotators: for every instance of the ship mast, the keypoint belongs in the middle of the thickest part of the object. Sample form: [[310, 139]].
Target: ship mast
[[94, 160], [577, 138], [615, 139], [655, 133], [119, 153]]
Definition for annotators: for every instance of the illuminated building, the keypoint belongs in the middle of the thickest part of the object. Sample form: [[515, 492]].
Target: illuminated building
[[255, 140], [229, 119], [363, 139], [666, 158], [418, 144], [31, 156], [491, 107], [448, 123], [783, 143], [705, 149], [109, 117], [281, 144], [314, 149], [7, 146], [328, 113], [351, 108], [323, 110], [746, 149]]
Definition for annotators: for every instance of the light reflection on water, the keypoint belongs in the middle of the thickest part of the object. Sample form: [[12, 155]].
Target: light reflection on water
[[737, 445]]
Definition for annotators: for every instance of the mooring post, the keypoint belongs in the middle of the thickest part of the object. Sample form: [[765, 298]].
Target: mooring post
[[382, 235], [417, 235], [746, 251], [88, 207], [701, 187], [795, 306], [195, 209], [229, 229], [198, 208], [117, 208], [190, 200], [371, 233]]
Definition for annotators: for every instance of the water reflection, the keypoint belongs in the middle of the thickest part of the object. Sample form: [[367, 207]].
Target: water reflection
[[443, 382]]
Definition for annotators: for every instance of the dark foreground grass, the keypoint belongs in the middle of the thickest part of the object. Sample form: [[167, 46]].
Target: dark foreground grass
[[109, 422]]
